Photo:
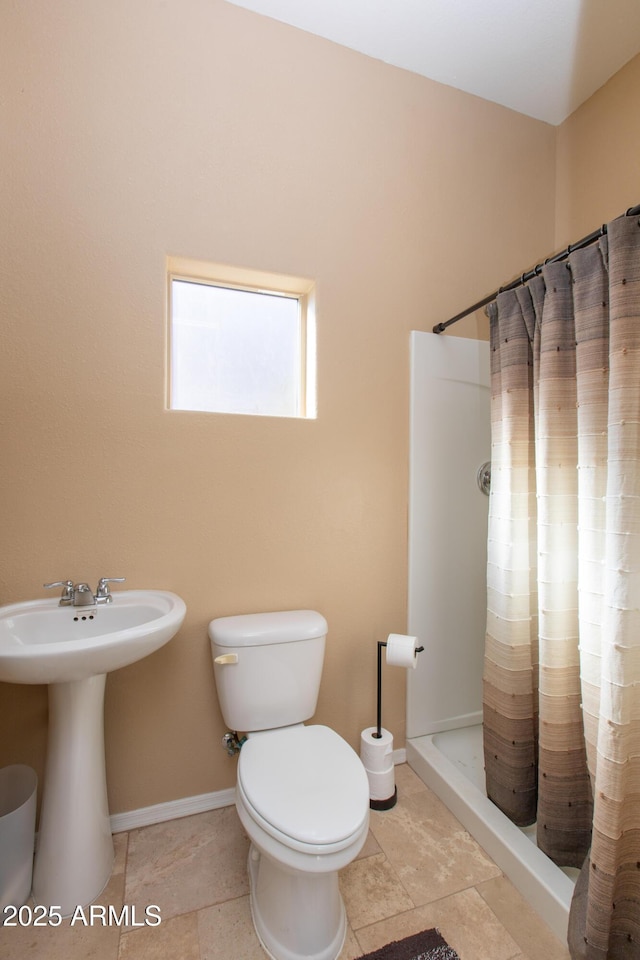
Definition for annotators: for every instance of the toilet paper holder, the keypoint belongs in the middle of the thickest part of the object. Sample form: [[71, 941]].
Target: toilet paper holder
[[381, 644]]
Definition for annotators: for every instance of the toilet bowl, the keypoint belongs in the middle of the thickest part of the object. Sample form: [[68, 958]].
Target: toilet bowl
[[302, 793], [303, 801]]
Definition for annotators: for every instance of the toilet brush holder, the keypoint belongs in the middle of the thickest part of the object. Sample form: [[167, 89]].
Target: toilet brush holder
[[376, 747]]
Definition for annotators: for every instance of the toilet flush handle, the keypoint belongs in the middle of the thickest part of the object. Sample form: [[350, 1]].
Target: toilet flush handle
[[226, 658]]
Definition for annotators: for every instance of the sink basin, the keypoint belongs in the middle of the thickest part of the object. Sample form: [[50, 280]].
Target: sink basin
[[41, 642], [72, 649]]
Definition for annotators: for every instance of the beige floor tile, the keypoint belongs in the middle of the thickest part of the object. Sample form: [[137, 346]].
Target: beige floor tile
[[371, 847], [120, 843], [469, 926], [351, 949], [521, 920], [86, 936], [464, 920], [418, 869], [187, 864], [430, 850], [407, 782], [60, 943], [377, 935], [176, 937], [372, 891], [226, 931]]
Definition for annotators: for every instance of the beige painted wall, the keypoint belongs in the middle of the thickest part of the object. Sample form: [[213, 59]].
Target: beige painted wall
[[137, 129], [598, 172]]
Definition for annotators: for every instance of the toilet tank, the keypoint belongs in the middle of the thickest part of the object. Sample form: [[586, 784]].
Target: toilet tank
[[267, 667]]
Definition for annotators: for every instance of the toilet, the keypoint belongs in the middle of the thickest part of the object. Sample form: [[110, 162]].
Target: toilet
[[302, 793]]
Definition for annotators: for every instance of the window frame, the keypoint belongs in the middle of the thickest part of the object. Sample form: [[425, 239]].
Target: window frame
[[230, 277]]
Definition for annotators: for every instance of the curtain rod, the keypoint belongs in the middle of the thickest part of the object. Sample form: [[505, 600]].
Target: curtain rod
[[585, 242]]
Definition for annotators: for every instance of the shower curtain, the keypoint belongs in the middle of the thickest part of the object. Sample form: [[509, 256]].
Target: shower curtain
[[562, 657]]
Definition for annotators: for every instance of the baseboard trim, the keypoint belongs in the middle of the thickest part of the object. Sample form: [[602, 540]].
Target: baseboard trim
[[173, 810], [187, 806]]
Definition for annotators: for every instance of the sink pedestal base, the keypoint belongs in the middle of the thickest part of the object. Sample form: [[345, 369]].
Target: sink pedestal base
[[74, 855]]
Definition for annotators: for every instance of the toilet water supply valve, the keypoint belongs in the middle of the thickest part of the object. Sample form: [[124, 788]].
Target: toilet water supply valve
[[232, 743]]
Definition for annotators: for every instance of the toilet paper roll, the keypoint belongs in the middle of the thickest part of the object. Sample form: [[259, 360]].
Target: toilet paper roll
[[382, 784], [401, 651], [376, 754]]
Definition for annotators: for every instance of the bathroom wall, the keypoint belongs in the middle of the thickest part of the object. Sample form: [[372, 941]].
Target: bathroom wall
[[138, 129], [598, 171]]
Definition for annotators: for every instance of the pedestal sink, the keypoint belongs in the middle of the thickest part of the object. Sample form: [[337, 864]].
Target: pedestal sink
[[72, 649]]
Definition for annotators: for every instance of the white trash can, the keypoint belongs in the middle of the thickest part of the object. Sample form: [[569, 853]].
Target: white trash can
[[18, 787]]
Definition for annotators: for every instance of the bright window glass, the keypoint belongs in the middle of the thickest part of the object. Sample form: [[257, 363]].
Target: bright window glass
[[235, 350]]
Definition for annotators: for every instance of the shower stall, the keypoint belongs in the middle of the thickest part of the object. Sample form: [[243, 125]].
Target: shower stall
[[448, 512]]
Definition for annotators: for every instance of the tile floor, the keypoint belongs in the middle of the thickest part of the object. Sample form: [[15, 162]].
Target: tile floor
[[418, 869]]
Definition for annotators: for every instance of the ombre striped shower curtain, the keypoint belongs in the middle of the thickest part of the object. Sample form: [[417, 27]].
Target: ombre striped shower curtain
[[562, 659]]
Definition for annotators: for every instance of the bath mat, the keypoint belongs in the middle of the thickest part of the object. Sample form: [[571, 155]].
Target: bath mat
[[428, 945]]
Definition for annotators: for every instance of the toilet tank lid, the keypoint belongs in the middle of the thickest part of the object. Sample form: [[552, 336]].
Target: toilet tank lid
[[255, 629]]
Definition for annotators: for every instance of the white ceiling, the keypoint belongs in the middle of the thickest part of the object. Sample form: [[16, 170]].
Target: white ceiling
[[542, 58]]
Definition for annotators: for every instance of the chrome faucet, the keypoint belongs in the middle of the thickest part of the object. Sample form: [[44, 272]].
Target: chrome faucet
[[66, 597], [81, 594], [103, 594]]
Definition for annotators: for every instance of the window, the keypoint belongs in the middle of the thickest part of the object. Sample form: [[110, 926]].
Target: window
[[240, 341]]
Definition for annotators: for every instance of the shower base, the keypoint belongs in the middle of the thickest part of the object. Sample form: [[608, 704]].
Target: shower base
[[451, 763]]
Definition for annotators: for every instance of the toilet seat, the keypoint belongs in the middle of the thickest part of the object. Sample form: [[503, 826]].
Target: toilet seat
[[305, 787]]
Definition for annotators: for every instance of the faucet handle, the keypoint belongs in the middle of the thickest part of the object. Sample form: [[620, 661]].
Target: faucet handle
[[67, 590], [103, 591]]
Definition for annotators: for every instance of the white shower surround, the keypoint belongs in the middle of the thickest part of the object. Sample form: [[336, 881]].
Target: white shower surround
[[449, 441]]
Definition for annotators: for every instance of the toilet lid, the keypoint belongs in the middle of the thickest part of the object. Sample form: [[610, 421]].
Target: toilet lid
[[306, 782]]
